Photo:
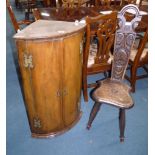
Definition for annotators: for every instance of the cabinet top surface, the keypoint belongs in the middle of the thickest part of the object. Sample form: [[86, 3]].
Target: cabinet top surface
[[42, 29]]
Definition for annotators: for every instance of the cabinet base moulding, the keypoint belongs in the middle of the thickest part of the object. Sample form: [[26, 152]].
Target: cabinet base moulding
[[54, 134]]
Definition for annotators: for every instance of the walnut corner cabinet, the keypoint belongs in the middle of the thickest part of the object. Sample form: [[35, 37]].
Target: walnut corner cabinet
[[50, 61]]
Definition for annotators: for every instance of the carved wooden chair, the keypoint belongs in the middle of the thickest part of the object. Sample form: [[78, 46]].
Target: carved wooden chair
[[26, 5], [122, 3], [138, 59], [97, 54], [20, 3], [82, 2], [143, 2], [104, 3], [111, 4], [49, 3], [114, 91], [16, 24], [114, 4], [74, 3], [130, 1]]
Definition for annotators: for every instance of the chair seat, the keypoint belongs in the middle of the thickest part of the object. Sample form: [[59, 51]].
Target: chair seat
[[92, 55], [114, 93]]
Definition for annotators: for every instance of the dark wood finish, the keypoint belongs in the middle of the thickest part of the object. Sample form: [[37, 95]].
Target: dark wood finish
[[95, 62], [19, 3], [72, 14], [16, 3], [122, 123], [22, 3], [50, 61], [93, 114], [27, 5], [143, 24], [104, 3], [74, 3], [114, 4], [78, 13], [49, 3], [130, 1], [113, 91], [143, 1], [138, 60], [16, 24], [64, 14]]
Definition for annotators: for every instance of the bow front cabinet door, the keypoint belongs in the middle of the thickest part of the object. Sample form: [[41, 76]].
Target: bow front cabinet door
[[50, 60]]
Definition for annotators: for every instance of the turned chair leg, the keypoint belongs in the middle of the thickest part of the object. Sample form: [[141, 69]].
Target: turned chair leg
[[122, 123], [93, 114]]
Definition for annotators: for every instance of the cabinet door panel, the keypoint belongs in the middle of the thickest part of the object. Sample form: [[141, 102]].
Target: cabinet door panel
[[44, 82], [72, 78]]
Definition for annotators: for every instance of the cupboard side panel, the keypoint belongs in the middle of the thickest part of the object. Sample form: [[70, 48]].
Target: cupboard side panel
[[72, 71], [25, 86]]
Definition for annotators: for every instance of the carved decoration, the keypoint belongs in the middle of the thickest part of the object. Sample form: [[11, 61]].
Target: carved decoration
[[68, 3], [124, 39], [105, 35], [105, 2]]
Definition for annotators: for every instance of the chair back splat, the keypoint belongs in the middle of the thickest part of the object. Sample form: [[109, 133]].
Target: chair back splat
[[124, 39], [100, 35]]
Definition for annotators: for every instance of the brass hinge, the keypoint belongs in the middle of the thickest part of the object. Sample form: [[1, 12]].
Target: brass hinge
[[81, 46], [37, 123], [28, 61]]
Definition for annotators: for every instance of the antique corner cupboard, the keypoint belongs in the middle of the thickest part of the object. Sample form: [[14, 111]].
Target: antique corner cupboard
[[50, 60]]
